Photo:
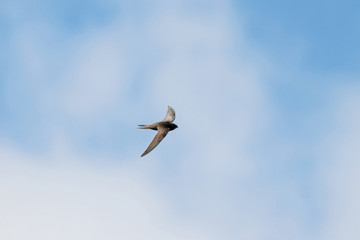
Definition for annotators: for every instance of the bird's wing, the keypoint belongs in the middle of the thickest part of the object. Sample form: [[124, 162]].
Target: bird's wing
[[162, 131], [170, 115]]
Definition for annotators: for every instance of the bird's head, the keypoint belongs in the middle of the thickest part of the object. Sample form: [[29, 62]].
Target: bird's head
[[173, 126]]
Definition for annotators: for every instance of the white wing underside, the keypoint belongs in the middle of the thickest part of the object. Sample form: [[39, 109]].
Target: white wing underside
[[170, 115]]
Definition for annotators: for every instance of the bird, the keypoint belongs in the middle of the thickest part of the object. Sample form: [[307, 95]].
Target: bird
[[163, 127]]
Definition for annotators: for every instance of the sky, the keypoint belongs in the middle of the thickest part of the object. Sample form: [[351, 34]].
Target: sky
[[266, 95]]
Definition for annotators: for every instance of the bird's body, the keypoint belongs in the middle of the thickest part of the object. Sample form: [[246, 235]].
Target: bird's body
[[155, 126], [162, 127]]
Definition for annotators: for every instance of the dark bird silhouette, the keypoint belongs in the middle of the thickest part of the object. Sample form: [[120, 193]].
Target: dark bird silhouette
[[162, 127]]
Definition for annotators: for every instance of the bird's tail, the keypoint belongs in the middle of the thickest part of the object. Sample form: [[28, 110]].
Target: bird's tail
[[144, 126], [151, 126]]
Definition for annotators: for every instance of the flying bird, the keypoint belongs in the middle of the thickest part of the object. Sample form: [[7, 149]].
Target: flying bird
[[162, 127]]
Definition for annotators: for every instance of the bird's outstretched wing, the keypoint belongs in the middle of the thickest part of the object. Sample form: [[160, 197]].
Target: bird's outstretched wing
[[162, 131], [170, 115]]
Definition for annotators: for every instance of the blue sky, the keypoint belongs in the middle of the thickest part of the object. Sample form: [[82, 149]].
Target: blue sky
[[266, 95]]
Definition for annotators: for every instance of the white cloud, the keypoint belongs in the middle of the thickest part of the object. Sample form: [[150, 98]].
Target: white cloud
[[46, 197], [341, 171], [95, 76]]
